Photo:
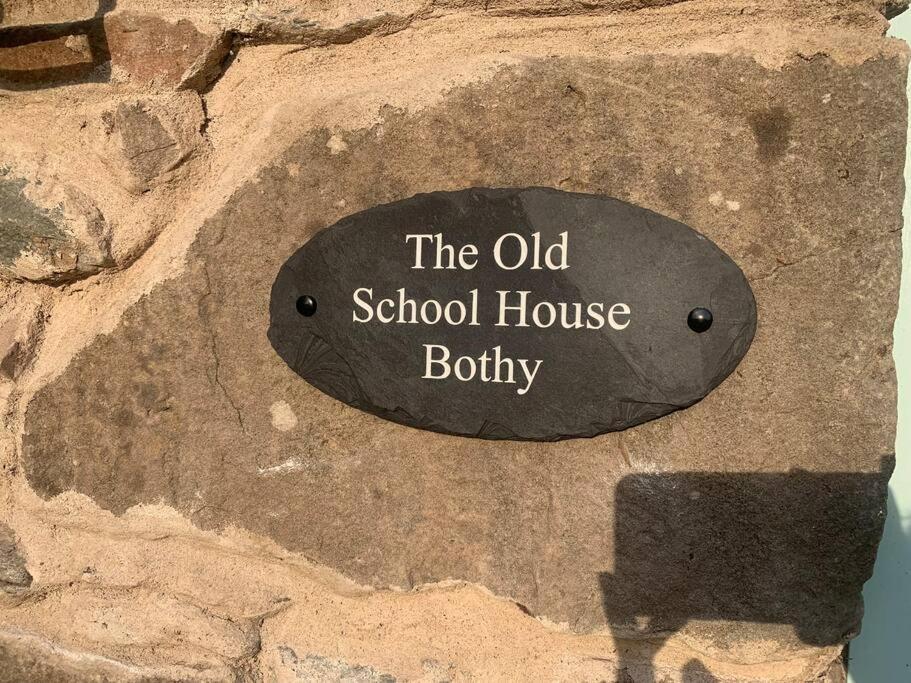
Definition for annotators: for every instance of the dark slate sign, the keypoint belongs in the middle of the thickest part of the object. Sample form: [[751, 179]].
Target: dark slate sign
[[512, 313]]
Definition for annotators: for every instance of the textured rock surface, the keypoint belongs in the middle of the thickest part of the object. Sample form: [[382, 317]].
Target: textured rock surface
[[86, 196], [181, 409], [146, 145], [153, 50], [69, 56], [31, 12], [20, 325], [198, 512], [317, 668], [13, 572], [47, 231]]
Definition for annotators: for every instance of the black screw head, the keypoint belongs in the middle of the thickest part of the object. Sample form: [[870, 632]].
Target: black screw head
[[699, 320], [306, 305]]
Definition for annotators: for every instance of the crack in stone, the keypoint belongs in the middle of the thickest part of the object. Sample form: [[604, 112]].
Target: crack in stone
[[153, 149], [213, 347]]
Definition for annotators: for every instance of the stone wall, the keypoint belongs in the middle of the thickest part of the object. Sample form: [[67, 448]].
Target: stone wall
[[177, 504]]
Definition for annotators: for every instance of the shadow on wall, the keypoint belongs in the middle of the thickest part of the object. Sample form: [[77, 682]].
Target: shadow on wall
[[792, 548], [45, 55], [889, 631]]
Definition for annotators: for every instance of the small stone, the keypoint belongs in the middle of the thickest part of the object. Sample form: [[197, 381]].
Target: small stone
[[149, 147], [18, 331], [13, 574], [318, 669], [336, 144], [891, 8], [62, 59], [836, 672], [144, 141], [283, 417], [49, 232], [29, 12], [152, 50], [51, 42]]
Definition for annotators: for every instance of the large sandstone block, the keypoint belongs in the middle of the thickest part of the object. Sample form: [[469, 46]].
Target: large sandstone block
[[727, 541]]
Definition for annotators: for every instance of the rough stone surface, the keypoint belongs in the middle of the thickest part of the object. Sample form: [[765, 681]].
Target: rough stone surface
[[31, 12], [27, 657], [13, 572], [88, 154], [68, 57], [49, 232], [191, 509], [836, 673], [152, 50], [147, 147], [317, 668], [19, 327]]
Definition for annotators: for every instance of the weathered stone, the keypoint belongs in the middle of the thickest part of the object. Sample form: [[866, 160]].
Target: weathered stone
[[148, 147], [31, 12], [291, 25], [202, 645], [836, 673], [19, 327], [319, 669], [178, 403], [154, 50], [76, 44], [46, 44], [49, 232], [28, 657], [146, 142], [892, 8], [65, 58], [13, 572]]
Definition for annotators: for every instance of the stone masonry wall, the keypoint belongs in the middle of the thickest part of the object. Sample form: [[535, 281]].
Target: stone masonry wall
[[177, 505]]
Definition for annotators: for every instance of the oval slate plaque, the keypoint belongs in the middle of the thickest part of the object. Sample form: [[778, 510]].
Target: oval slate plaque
[[530, 314]]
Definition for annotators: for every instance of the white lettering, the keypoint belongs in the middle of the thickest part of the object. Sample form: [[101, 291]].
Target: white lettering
[[379, 311], [596, 314], [438, 311], [466, 375], [618, 309], [559, 248], [551, 314], [488, 367], [501, 318], [529, 375], [418, 262], [450, 318], [429, 361], [523, 250], [360, 303]]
